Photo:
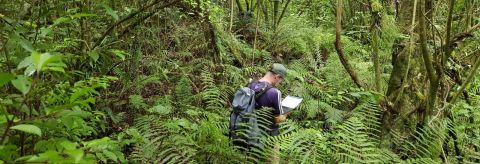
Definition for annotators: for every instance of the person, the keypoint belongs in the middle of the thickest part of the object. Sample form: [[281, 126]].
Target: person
[[272, 97]]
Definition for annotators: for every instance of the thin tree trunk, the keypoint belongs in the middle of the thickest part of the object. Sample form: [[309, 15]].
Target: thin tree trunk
[[376, 61], [275, 12], [468, 18], [338, 47], [231, 16], [375, 30], [427, 60]]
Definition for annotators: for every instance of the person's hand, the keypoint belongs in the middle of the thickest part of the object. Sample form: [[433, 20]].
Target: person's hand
[[281, 118]]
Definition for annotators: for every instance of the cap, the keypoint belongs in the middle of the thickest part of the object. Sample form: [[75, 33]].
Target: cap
[[279, 69]]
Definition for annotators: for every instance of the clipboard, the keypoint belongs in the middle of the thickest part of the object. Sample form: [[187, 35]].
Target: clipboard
[[290, 102]]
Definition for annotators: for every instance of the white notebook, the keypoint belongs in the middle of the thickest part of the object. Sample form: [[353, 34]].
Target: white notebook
[[290, 102]]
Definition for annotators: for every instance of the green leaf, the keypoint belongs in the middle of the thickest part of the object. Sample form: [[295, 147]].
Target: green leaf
[[110, 11], [80, 15], [22, 83], [160, 109], [76, 154], [5, 78], [68, 145], [30, 70], [25, 62], [81, 92], [110, 155], [93, 55], [119, 53], [61, 20], [44, 31], [44, 61], [26, 45], [57, 69], [28, 129], [354, 94], [40, 60]]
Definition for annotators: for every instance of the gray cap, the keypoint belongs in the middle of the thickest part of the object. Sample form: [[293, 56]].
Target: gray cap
[[279, 69]]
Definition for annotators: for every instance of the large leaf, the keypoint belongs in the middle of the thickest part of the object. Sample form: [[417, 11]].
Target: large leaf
[[39, 62], [42, 59], [26, 45], [28, 129], [46, 61], [27, 63], [22, 83], [5, 78]]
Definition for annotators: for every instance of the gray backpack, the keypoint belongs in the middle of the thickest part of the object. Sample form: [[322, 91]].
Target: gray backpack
[[244, 130]]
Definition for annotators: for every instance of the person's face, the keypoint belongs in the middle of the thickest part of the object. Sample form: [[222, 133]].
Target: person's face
[[278, 79]]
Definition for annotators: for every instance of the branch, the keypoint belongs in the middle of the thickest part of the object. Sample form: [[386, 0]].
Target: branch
[[467, 81], [133, 25], [473, 28], [338, 47], [283, 12], [461, 37], [130, 16]]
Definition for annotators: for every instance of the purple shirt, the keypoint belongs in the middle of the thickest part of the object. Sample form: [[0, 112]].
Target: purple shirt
[[271, 98]]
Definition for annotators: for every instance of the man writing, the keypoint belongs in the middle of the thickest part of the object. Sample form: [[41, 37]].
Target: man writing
[[272, 97], [244, 129]]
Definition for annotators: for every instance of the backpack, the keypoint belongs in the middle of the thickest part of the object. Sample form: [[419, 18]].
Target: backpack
[[244, 130]]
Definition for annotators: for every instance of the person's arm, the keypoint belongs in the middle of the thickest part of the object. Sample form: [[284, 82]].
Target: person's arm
[[280, 115]]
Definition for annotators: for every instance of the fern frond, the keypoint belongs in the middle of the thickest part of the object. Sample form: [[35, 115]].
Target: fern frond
[[183, 91], [420, 161], [354, 144], [369, 114], [161, 145], [472, 156], [210, 92], [427, 141]]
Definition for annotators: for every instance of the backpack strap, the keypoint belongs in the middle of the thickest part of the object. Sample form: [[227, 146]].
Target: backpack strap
[[262, 91], [259, 93]]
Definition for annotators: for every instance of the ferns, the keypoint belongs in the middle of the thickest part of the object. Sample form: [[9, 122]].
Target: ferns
[[354, 144], [472, 156], [183, 91], [369, 114], [161, 144], [428, 141], [210, 93]]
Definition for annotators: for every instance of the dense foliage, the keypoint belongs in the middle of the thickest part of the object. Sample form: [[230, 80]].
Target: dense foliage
[[105, 81]]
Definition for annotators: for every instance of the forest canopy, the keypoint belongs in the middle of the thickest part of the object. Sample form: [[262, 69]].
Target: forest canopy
[[152, 81]]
